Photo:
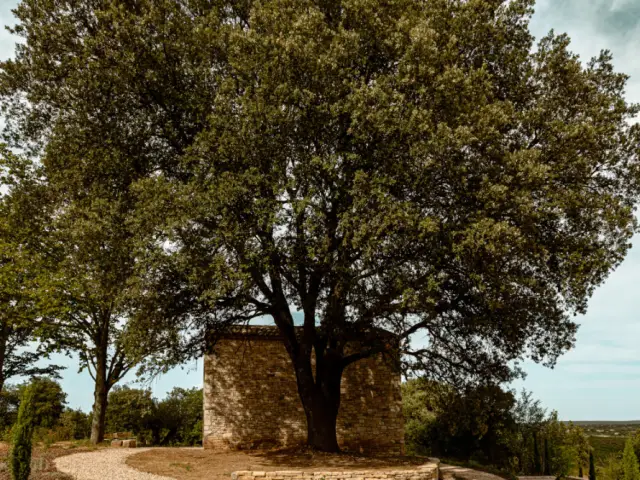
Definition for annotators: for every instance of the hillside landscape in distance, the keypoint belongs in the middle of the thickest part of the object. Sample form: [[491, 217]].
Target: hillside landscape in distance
[[608, 437]]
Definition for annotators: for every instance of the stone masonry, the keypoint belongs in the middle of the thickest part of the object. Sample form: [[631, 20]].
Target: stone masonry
[[428, 471], [251, 399]]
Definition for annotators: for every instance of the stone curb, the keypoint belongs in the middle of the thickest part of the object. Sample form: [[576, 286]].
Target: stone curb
[[428, 471]]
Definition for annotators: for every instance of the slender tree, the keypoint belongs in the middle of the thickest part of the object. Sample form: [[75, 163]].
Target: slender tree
[[580, 473], [547, 457], [80, 258], [592, 467], [630, 462], [406, 167], [537, 464], [20, 454]]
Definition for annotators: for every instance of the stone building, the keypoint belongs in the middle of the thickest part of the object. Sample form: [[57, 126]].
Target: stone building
[[251, 399]]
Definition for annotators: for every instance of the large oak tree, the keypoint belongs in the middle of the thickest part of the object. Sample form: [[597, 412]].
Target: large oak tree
[[413, 166]]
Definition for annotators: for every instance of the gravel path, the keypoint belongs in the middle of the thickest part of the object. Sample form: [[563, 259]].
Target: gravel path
[[449, 472], [107, 463]]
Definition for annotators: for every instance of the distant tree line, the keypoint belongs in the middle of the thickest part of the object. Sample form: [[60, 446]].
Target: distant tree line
[[622, 464], [492, 428], [174, 420]]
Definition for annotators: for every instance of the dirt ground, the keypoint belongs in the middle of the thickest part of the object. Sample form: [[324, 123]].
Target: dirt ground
[[42, 461], [199, 464]]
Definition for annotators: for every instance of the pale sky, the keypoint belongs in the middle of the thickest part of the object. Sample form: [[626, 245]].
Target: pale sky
[[598, 379]]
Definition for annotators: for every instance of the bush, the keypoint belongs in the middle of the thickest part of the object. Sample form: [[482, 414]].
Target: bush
[[130, 410], [73, 425], [612, 469], [490, 426], [630, 462], [48, 403], [179, 417], [419, 409], [9, 404], [176, 420], [20, 455]]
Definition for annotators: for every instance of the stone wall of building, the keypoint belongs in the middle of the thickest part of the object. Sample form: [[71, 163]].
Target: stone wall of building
[[251, 399]]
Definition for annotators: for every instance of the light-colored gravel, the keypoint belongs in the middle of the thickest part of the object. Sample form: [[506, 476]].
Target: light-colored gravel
[[449, 472], [107, 463]]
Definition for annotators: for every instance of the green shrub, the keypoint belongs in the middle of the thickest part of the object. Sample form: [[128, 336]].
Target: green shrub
[[612, 469], [592, 467], [630, 462], [73, 425], [20, 455]]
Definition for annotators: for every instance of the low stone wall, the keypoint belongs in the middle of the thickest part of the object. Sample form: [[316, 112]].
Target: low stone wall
[[428, 471]]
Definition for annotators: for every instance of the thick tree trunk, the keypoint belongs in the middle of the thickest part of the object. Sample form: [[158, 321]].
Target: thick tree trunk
[[100, 393], [321, 402], [321, 424]]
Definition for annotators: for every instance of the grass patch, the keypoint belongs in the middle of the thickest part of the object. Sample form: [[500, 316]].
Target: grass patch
[[604, 447], [186, 466]]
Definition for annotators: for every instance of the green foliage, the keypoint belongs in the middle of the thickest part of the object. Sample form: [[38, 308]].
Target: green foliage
[[304, 129], [529, 417], [48, 401], [476, 424], [606, 447], [19, 317], [130, 410], [490, 427], [612, 469], [175, 420], [537, 463], [399, 164], [635, 439], [9, 405], [419, 409], [567, 446], [630, 462], [74, 425], [181, 415], [592, 467], [76, 258], [20, 454]]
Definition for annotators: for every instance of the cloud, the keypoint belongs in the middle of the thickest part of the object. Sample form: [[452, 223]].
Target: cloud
[[7, 41], [599, 378], [595, 25]]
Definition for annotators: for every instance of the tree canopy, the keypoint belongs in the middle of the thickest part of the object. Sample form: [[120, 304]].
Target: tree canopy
[[19, 315], [71, 264], [420, 168], [493, 427]]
